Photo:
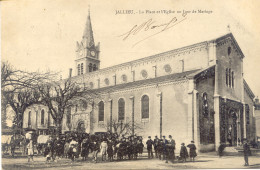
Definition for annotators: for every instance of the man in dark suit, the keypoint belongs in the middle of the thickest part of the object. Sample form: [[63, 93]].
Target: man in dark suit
[[165, 151], [246, 152], [149, 144], [155, 145]]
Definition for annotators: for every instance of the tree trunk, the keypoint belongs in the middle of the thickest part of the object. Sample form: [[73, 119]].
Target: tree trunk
[[58, 126]]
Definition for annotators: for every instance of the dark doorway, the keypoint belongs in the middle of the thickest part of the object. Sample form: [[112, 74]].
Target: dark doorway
[[81, 127], [232, 128]]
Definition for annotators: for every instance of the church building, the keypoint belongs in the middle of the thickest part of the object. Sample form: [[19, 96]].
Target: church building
[[196, 92]]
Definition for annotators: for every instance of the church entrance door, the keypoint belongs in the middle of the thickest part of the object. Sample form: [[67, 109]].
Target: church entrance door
[[81, 127], [232, 128]]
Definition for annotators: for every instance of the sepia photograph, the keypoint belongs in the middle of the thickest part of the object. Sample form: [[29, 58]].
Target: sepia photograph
[[130, 84]]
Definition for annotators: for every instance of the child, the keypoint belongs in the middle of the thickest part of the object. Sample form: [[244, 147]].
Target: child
[[95, 151], [47, 152], [30, 150], [193, 153], [183, 152]]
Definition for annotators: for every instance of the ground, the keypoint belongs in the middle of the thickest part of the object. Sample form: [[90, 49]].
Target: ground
[[205, 160]]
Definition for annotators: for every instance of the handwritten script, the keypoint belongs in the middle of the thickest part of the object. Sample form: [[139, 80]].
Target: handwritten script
[[151, 26]]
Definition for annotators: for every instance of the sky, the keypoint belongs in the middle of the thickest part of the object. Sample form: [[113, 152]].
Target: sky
[[42, 34]]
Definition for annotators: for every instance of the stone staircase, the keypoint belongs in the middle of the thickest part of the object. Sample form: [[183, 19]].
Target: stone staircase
[[238, 151]]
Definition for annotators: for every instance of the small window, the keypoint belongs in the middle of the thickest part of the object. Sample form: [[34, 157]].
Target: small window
[[121, 109], [29, 118], [167, 68], [107, 81], [42, 117], [227, 76], [229, 51], [232, 77], [94, 67], [78, 69], [82, 68], [84, 105], [90, 67], [124, 78], [76, 108], [145, 107], [144, 74], [101, 111]]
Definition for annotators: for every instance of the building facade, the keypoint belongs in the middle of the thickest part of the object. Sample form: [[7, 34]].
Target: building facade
[[195, 93]]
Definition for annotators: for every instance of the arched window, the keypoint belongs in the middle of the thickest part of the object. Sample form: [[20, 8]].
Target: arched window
[[78, 69], [76, 108], [232, 77], [90, 67], [29, 118], [84, 105], [121, 109], [227, 76], [145, 107], [229, 50], [81, 68], [42, 117], [94, 67], [101, 111]]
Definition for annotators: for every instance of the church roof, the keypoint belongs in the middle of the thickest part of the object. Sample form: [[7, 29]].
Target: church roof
[[234, 40], [171, 52], [248, 90], [197, 73], [170, 78]]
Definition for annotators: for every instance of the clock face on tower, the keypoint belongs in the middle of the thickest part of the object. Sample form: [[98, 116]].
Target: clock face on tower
[[93, 53], [80, 52]]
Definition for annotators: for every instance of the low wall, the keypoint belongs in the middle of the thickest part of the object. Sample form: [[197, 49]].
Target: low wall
[[206, 147]]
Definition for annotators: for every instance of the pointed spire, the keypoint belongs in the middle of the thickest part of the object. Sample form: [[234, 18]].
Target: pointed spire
[[88, 38]]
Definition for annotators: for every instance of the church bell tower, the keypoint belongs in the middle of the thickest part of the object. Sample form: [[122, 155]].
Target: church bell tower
[[87, 53]]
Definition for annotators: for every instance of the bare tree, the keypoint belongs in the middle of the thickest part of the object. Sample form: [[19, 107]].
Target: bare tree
[[19, 101], [18, 90], [59, 96], [13, 79], [122, 127]]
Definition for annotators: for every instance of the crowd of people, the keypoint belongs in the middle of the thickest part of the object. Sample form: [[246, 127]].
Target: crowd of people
[[165, 149], [110, 146]]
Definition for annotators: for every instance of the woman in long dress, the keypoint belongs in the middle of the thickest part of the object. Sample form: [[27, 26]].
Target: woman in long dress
[[193, 153], [85, 149], [30, 150], [103, 149]]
